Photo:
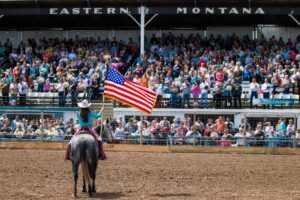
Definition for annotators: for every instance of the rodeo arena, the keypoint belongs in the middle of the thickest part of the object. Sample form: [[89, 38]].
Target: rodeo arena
[[149, 99]]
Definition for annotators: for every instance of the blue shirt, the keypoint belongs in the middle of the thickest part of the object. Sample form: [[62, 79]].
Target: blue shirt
[[91, 117]]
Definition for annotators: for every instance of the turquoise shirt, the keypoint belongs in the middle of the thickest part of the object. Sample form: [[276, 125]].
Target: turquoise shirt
[[91, 117]]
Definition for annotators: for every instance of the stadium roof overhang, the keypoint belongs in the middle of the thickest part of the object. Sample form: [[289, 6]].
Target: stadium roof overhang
[[111, 14]]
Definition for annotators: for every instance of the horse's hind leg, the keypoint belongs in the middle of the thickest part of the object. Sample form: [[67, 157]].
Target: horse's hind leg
[[75, 178], [90, 190], [92, 170], [93, 186], [84, 185], [93, 183], [92, 176]]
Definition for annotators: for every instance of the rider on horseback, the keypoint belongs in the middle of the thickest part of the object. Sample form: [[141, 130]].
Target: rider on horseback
[[86, 119]]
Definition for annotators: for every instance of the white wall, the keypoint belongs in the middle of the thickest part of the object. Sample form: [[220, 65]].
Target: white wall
[[238, 114]]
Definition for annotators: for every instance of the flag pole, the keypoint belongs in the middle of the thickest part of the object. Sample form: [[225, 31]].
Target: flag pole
[[141, 131], [102, 116], [107, 60]]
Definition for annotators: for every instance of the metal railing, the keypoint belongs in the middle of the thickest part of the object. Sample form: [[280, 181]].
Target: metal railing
[[161, 102], [221, 103], [169, 140], [44, 101]]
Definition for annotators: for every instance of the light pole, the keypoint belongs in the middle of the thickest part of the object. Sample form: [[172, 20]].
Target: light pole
[[142, 24]]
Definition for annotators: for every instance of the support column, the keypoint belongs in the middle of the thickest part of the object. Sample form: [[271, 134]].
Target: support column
[[21, 36], [205, 33], [142, 25], [238, 119], [142, 32], [67, 34], [297, 122], [256, 33]]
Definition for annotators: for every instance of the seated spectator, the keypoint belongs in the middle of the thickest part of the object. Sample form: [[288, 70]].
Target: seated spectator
[[193, 136], [220, 125], [180, 133], [213, 132], [154, 131], [290, 130], [226, 139], [281, 128], [19, 132], [241, 139], [119, 132], [131, 126], [5, 129], [297, 136], [146, 129]]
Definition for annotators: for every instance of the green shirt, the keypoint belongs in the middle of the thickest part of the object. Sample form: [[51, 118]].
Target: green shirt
[[91, 117]]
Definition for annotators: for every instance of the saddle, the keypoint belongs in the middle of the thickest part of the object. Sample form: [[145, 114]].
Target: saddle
[[83, 130], [86, 130]]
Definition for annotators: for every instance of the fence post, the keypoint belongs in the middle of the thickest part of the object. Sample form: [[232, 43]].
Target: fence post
[[294, 142], [194, 140], [167, 142], [141, 137]]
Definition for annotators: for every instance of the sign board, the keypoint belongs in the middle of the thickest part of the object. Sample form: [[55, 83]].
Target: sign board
[[181, 10]]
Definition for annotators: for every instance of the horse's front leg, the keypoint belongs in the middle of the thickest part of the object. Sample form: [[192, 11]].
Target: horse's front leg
[[83, 186], [75, 178]]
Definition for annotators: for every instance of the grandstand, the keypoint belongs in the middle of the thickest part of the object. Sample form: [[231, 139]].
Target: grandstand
[[227, 78], [238, 59]]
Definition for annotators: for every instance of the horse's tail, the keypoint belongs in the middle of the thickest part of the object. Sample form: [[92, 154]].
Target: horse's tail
[[85, 165]]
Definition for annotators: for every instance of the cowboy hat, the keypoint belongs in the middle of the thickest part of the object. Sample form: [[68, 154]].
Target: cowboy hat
[[84, 104]]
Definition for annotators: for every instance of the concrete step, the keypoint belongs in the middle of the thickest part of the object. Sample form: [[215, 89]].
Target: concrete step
[[108, 109]]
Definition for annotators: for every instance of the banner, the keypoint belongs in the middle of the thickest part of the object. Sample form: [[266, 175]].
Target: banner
[[180, 10], [274, 102]]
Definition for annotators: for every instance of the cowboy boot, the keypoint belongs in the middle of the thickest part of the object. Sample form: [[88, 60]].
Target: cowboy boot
[[67, 154], [102, 155]]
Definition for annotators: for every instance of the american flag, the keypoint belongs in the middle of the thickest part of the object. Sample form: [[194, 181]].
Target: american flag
[[128, 92]]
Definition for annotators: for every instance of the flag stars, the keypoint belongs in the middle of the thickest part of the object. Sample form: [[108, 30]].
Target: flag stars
[[114, 76]]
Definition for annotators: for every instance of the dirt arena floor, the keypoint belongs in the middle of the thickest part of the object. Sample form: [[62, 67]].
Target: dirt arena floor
[[40, 174]]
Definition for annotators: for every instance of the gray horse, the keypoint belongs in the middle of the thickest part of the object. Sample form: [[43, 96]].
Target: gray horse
[[84, 151]]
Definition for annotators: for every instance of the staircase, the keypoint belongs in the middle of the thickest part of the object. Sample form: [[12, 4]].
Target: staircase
[[108, 109]]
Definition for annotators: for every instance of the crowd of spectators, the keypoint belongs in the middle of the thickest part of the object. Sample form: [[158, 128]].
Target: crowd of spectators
[[37, 128], [188, 70], [221, 131]]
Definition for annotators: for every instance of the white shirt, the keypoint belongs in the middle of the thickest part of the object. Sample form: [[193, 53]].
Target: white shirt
[[241, 139], [266, 87], [60, 87], [269, 130], [22, 88], [254, 87]]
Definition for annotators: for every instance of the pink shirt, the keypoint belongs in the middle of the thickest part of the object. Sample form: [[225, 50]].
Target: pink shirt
[[196, 90]]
